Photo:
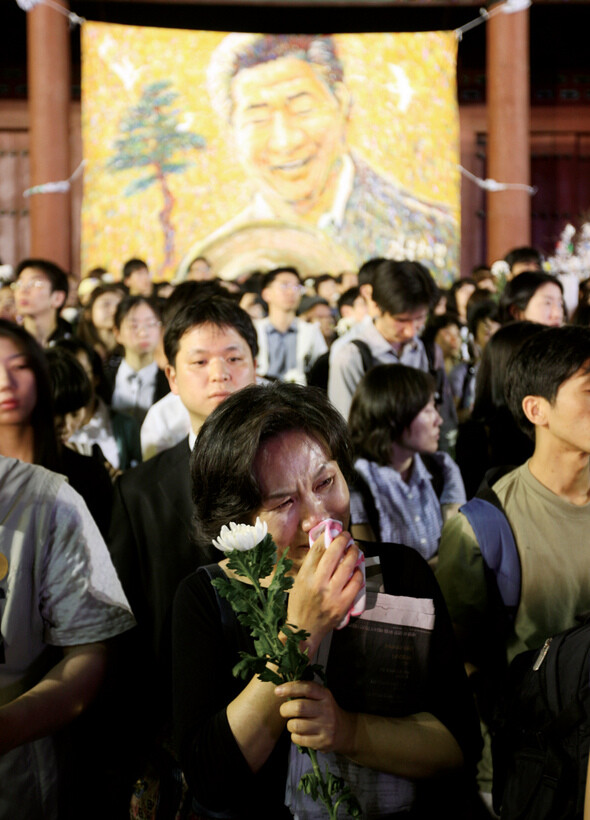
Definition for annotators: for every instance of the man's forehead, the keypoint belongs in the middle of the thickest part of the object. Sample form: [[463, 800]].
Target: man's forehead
[[33, 273], [288, 73], [202, 336]]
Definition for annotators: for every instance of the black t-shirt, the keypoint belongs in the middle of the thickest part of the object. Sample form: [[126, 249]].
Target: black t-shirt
[[204, 653]]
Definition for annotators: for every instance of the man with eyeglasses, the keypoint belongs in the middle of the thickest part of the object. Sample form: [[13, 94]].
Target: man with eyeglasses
[[138, 381], [288, 346], [40, 292]]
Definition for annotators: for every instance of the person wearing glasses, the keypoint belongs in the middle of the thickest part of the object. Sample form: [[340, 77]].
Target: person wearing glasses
[[40, 291], [288, 346], [138, 381]]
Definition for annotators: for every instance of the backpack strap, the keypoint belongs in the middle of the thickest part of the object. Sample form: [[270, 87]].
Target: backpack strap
[[360, 484], [366, 355], [498, 547]]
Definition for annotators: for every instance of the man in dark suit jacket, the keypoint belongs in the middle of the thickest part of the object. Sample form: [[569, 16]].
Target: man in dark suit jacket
[[211, 347]]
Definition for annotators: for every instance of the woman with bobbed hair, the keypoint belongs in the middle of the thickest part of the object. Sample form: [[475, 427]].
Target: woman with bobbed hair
[[281, 453], [405, 488], [533, 296]]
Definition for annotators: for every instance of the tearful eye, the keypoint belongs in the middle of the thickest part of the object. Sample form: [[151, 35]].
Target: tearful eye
[[284, 504]]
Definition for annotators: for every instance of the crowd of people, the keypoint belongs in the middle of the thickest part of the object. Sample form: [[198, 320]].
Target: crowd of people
[[373, 398]]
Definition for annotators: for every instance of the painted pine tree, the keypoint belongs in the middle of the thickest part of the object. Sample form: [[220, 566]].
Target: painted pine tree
[[153, 139]]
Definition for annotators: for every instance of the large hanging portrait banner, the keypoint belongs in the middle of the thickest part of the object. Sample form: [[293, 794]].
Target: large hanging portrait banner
[[256, 150]]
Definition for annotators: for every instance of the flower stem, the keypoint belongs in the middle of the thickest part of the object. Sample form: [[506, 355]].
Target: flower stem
[[323, 791]]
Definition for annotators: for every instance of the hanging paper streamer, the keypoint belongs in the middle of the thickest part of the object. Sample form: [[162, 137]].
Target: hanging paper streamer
[[60, 187], [493, 185]]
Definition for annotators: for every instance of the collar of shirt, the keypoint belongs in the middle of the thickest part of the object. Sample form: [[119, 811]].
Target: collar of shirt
[[379, 344], [335, 216], [272, 330], [145, 375], [376, 475]]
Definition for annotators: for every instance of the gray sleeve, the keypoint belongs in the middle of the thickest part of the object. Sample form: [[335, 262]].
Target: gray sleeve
[[82, 600], [346, 371]]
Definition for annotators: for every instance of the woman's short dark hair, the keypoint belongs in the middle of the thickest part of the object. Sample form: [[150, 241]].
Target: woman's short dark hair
[[224, 485], [70, 384], [520, 290], [491, 374], [45, 446], [386, 401]]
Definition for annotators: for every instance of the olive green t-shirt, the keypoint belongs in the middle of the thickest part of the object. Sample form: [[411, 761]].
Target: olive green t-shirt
[[553, 542]]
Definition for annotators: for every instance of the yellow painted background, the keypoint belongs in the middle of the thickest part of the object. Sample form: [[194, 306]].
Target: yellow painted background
[[418, 148]]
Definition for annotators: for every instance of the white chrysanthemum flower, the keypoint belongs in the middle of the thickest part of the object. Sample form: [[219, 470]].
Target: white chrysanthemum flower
[[241, 537]]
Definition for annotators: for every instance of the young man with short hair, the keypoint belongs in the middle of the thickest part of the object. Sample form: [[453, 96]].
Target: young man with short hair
[[41, 289], [211, 348], [403, 293], [288, 346], [546, 502]]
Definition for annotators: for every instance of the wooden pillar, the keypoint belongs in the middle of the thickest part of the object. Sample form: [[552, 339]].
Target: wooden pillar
[[508, 116], [48, 70]]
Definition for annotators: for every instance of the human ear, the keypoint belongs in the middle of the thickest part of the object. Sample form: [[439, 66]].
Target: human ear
[[535, 409], [58, 298], [171, 376]]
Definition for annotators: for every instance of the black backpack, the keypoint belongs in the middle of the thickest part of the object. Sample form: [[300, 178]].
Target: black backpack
[[541, 735]]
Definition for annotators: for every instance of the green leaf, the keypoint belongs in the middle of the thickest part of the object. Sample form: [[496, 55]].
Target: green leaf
[[139, 185]]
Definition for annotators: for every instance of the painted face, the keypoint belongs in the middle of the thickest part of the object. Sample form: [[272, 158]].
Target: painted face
[[289, 129], [403, 327], [140, 282], [423, 433], [104, 309], [568, 417], [70, 423], [18, 388], [33, 293], [301, 485], [211, 363], [545, 306], [284, 291]]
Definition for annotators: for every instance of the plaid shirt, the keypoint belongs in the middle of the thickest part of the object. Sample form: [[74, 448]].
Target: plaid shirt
[[409, 513]]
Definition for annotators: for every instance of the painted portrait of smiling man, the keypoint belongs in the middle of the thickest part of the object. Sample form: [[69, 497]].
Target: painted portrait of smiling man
[[286, 105], [317, 152]]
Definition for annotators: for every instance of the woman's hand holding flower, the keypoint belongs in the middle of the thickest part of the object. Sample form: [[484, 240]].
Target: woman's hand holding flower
[[314, 719], [325, 588]]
